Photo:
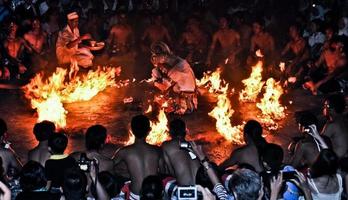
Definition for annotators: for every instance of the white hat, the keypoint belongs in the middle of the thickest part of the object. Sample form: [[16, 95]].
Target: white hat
[[72, 15]]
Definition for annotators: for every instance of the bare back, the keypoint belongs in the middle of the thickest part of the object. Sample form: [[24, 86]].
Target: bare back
[[39, 154], [337, 131], [180, 165], [9, 160], [244, 155], [142, 160]]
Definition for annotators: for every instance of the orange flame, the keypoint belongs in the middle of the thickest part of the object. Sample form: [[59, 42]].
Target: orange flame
[[270, 106], [223, 111], [47, 97], [253, 84], [158, 133], [159, 130]]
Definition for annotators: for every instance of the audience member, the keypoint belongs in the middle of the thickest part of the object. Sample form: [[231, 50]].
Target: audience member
[[33, 183], [95, 140], [336, 127], [177, 158], [249, 153], [141, 158], [9, 159], [42, 132], [58, 162]]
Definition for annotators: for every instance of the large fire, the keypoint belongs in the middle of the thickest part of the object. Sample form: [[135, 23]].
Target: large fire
[[48, 97], [158, 133], [270, 106], [223, 111], [253, 84]]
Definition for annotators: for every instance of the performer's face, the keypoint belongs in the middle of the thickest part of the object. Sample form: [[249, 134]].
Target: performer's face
[[73, 23], [157, 60]]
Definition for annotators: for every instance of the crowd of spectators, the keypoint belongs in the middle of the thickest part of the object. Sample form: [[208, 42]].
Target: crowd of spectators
[[309, 37]]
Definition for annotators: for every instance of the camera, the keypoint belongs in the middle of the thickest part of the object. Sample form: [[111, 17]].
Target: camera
[[187, 193], [84, 163], [185, 145]]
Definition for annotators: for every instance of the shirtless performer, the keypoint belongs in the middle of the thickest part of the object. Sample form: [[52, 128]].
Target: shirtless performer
[[229, 42], [297, 47], [155, 32], [67, 46], [141, 158], [336, 127], [261, 40], [14, 46], [36, 39], [121, 39], [334, 60], [174, 74], [9, 159], [193, 42], [178, 160], [42, 132]]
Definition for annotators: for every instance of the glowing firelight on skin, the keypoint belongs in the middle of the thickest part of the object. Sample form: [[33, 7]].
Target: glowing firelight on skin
[[253, 84], [270, 106], [159, 131], [47, 97], [223, 111]]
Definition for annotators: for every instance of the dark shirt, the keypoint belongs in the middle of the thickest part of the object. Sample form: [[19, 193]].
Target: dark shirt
[[55, 168], [44, 195]]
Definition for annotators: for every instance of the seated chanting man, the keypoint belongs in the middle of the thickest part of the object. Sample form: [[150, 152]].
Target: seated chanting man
[[67, 46]]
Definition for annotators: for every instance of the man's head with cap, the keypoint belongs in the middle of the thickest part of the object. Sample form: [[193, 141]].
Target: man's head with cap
[[73, 20]]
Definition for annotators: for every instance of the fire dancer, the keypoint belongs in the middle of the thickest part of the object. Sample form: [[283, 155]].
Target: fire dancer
[[174, 74], [67, 46]]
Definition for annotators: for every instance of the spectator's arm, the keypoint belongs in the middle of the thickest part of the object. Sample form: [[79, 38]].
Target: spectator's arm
[[298, 155], [315, 134], [276, 185], [6, 192], [101, 192], [197, 149], [301, 182]]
